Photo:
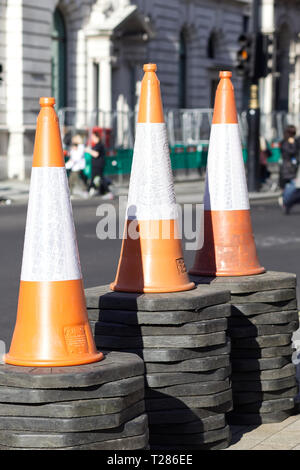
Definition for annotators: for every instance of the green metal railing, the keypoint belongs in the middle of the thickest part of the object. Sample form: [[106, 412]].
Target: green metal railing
[[182, 157]]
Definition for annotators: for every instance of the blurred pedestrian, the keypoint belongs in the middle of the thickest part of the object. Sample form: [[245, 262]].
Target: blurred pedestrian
[[98, 181], [289, 178], [67, 139], [290, 155], [76, 165], [291, 193], [265, 153]]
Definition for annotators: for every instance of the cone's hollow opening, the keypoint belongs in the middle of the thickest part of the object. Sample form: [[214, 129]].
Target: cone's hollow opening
[[47, 101], [150, 68], [225, 74]]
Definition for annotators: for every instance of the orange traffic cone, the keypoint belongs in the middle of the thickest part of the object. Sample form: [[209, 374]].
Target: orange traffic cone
[[229, 247], [52, 327], [151, 258]]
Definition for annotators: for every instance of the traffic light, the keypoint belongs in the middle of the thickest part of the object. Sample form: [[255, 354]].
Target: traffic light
[[245, 56], [1, 74], [255, 56], [264, 54]]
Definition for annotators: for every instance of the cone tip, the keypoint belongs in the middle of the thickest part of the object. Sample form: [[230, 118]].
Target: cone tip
[[150, 68], [225, 74], [47, 102]]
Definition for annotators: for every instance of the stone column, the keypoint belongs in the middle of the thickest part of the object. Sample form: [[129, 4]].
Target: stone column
[[90, 89], [14, 89], [296, 94], [81, 64], [105, 92], [99, 52], [267, 84]]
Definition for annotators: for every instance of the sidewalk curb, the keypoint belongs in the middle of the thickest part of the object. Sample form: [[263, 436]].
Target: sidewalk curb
[[18, 192], [267, 196]]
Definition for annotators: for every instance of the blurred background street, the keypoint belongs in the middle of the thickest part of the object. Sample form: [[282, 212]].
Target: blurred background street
[[89, 56]]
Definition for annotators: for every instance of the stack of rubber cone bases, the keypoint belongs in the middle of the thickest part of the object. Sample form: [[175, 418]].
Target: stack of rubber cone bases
[[182, 339], [229, 247], [52, 327], [151, 258], [97, 406], [264, 316]]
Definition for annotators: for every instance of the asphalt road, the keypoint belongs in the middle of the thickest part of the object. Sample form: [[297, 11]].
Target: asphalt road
[[277, 237]]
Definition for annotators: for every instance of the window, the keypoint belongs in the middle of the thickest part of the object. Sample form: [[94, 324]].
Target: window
[[58, 60], [213, 88], [132, 87], [246, 20], [211, 45], [182, 70]]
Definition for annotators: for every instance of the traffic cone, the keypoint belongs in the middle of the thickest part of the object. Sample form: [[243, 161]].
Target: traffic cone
[[229, 247], [52, 327], [151, 257]]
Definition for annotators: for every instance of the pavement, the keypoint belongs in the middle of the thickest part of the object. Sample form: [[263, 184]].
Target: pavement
[[275, 436], [13, 191], [187, 191]]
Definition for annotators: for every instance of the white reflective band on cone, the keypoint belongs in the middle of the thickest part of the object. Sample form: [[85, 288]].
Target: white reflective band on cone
[[226, 186], [151, 194], [50, 247]]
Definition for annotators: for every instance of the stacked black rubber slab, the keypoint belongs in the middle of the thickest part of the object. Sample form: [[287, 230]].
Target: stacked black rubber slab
[[182, 339], [94, 406], [264, 316]]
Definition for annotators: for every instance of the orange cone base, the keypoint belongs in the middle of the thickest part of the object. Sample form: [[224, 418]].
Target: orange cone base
[[151, 259], [152, 290], [52, 327], [229, 247], [195, 273], [15, 361]]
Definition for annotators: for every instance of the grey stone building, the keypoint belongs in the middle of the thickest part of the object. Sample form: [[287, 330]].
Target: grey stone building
[[89, 55]]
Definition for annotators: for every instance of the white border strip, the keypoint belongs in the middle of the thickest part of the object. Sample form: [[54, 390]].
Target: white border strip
[[50, 247], [226, 185], [151, 191]]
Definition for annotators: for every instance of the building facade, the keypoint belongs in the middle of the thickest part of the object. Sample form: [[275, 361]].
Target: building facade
[[89, 55]]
